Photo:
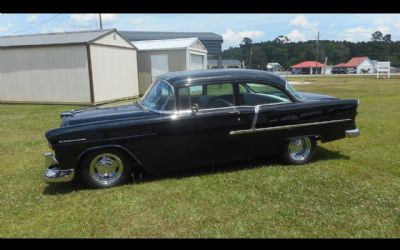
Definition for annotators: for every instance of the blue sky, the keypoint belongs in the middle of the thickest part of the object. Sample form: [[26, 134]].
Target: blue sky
[[233, 27]]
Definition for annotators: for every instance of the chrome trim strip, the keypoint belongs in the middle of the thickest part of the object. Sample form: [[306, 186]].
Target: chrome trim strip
[[184, 111], [254, 130], [256, 110], [352, 133]]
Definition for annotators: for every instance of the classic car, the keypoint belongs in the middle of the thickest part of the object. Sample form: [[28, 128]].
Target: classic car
[[196, 118], [339, 71]]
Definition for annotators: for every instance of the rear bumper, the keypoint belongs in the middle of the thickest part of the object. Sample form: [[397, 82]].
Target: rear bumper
[[352, 133], [53, 174]]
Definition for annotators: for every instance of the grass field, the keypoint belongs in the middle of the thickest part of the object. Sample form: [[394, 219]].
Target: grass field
[[351, 189]]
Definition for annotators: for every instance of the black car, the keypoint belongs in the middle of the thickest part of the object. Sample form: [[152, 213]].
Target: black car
[[196, 118], [339, 71]]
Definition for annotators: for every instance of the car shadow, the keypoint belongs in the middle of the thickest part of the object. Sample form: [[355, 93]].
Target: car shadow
[[322, 154]]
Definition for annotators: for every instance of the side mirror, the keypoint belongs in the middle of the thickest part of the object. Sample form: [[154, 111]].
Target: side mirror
[[195, 108]]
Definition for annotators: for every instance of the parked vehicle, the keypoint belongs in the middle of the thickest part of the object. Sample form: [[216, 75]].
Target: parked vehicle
[[195, 118], [352, 71], [339, 71]]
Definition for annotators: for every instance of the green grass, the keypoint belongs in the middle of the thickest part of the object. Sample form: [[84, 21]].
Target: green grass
[[352, 189]]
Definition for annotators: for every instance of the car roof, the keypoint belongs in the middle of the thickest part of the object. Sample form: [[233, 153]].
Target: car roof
[[216, 75]]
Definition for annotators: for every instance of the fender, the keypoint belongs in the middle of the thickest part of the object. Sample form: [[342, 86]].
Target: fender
[[81, 155]]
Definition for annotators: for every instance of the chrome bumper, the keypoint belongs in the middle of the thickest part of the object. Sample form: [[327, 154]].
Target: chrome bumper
[[53, 174], [352, 133]]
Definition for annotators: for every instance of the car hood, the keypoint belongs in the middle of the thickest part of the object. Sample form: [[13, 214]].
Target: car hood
[[314, 97], [95, 115]]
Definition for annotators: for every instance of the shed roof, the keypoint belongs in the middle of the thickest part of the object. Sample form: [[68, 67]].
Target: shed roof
[[309, 64], [157, 35], [353, 62], [211, 41], [53, 38], [165, 44]]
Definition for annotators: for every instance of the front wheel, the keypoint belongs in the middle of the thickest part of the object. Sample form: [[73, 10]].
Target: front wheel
[[299, 150], [105, 168]]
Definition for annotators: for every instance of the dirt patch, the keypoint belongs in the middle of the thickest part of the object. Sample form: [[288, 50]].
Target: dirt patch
[[298, 83]]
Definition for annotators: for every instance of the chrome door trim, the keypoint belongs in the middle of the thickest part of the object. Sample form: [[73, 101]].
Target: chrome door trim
[[256, 110], [255, 130]]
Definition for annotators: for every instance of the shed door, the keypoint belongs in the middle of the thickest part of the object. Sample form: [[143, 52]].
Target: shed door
[[196, 61], [159, 65]]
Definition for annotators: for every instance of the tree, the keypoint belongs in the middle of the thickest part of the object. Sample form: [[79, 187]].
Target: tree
[[387, 38], [259, 57], [288, 54], [247, 41], [282, 39], [246, 50], [377, 36]]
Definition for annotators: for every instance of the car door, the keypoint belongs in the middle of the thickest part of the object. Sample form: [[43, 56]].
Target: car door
[[199, 134], [272, 107]]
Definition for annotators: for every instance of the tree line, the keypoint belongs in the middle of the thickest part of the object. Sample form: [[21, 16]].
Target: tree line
[[281, 50]]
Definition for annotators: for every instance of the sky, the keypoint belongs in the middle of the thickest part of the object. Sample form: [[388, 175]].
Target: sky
[[233, 27]]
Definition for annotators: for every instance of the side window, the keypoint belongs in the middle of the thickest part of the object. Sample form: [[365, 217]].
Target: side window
[[183, 98], [206, 96], [159, 97], [256, 93]]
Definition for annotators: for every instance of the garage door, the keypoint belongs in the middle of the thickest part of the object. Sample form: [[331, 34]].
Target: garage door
[[196, 61]]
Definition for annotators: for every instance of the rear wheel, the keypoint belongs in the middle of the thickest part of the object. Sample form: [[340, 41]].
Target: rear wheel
[[299, 150], [105, 168]]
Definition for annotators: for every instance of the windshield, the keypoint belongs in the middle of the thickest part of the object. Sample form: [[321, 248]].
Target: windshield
[[160, 96], [294, 92]]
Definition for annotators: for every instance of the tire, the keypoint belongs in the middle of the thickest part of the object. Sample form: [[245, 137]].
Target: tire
[[299, 150], [105, 168]]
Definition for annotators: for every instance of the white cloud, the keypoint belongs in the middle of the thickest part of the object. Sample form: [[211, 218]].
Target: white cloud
[[5, 28], [296, 36], [358, 34], [355, 34], [232, 38], [89, 19], [397, 24], [136, 21], [303, 29], [301, 21], [33, 18]]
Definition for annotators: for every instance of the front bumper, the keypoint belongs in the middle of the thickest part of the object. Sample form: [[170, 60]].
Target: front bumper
[[352, 133], [53, 174]]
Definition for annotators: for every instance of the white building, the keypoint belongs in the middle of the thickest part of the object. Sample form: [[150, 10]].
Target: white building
[[87, 67], [358, 65], [157, 57]]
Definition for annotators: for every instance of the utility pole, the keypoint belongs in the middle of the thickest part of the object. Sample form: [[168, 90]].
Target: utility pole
[[101, 23], [316, 61], [251, 53]]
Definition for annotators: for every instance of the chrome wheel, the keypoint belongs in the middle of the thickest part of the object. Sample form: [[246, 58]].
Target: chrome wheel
[[299, 148], [106, 168]]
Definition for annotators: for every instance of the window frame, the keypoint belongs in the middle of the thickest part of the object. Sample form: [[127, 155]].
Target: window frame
[[205, 92], [240, 102], [162, 111]]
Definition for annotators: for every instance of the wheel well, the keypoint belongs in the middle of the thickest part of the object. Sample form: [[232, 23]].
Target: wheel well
[[135, 163], [315, 136]]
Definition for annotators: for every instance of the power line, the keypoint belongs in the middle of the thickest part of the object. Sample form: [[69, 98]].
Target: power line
[[39, 23], [60, 24]]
